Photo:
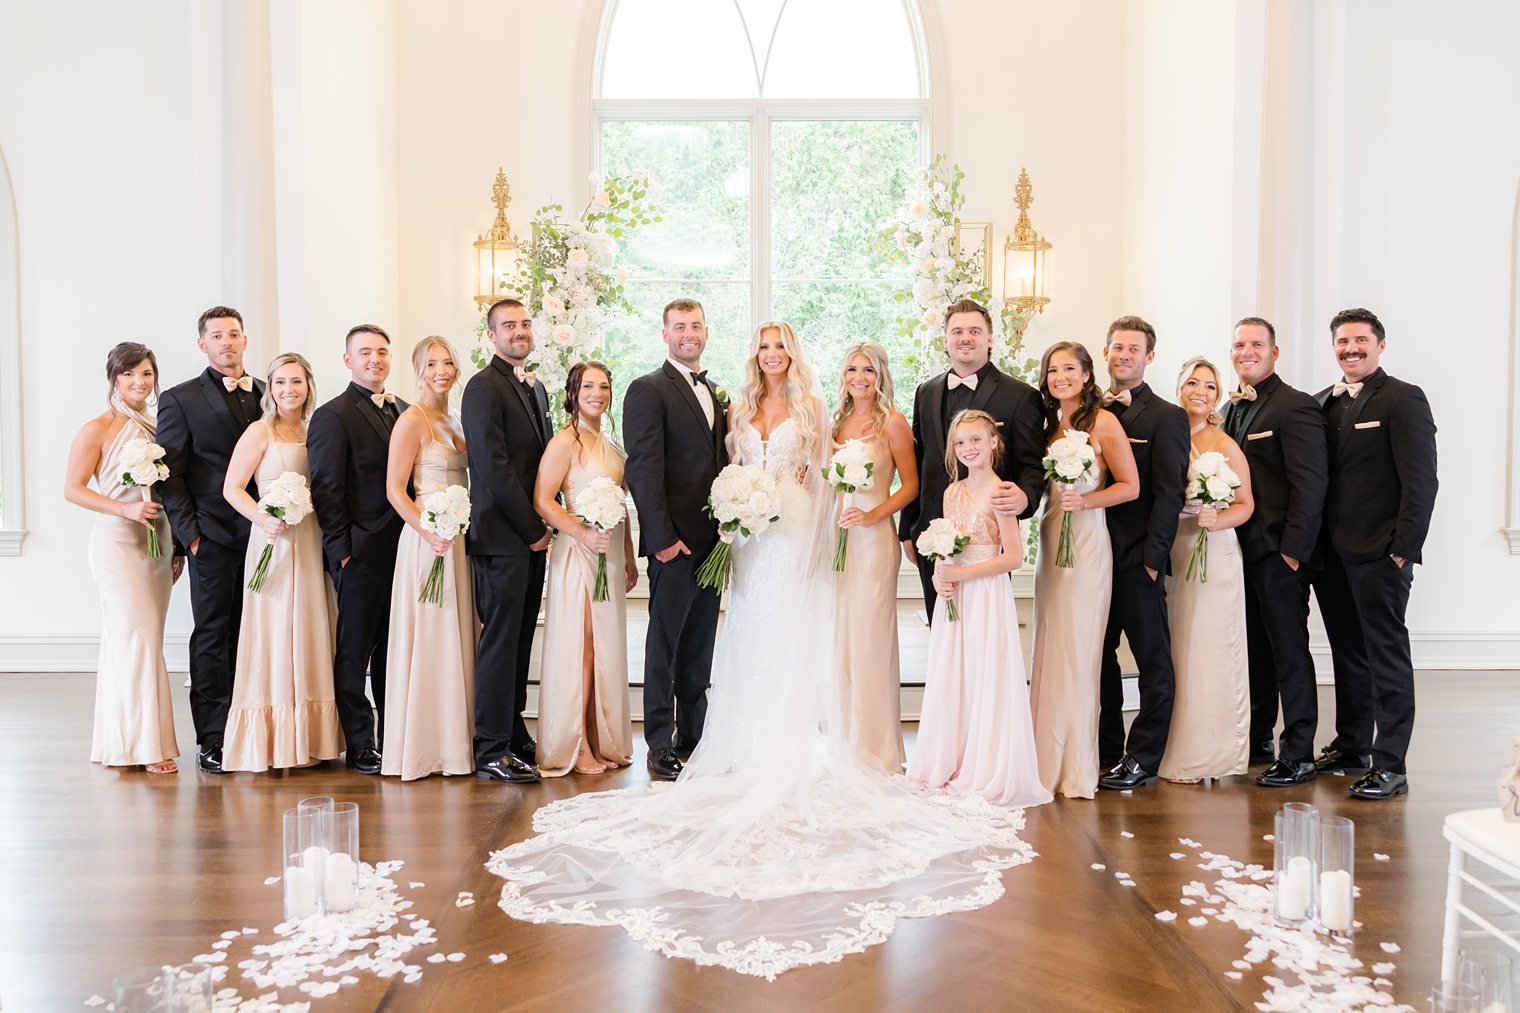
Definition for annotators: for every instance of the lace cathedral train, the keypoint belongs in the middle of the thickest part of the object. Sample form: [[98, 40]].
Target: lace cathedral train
[[778, 847]]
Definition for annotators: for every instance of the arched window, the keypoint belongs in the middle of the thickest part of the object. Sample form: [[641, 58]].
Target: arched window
[[782, 135], [12, 526]]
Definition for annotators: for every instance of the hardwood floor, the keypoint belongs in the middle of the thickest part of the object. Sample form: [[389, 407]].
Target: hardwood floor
[[102, 870]]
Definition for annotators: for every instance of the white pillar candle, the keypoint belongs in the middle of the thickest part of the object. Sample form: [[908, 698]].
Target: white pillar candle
[[314, 858], [300, 892], [1335, 900], [1293, 889], [338, 882]]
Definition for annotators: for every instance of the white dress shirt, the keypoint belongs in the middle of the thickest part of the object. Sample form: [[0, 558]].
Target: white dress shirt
[[703, 392]]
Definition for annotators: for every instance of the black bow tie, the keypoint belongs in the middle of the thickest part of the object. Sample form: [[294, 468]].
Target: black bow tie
[[698, 379]]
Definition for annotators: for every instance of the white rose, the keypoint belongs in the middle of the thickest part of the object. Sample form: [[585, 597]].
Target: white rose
[[855, 474], [577, 256], [1219, 490], [948, 232], [1193, 488], [1069, 468], [144, 473], [553, 304], [929, 319], [601, 200], [563, 334], [919, 209], [759, 503]]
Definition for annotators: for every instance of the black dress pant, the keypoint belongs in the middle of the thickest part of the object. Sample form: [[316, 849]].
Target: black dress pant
[[678, 652], [926, 579], [1363, 606], [1277, 645], [1138, 610], [364, 620], [216, 605], [508, 592]]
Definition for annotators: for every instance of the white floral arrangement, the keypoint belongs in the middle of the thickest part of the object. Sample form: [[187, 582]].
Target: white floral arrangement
[[142, 467], [602, 505], [1069, 460], [445, 514], [1210, 482], [289, 499], [849, 472], [940, 541], [569, 277], [744, 502]]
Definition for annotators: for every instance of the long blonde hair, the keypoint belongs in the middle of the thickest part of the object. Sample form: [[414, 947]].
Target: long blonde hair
[[885, 403], [1216, 417], [971, 416], [266, 402], [799, 388]]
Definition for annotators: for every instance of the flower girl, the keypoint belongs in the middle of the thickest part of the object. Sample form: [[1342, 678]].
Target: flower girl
[[975, 735]]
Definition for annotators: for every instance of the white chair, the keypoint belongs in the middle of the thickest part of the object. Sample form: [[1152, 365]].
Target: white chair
[[1479, 836]]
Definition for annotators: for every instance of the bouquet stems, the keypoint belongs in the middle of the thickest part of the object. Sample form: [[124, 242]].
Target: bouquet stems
[[599, 592], [1198, 559], [260, 572], [950, 612], [842, 542], [431, 591], [155, 550], [1066, 555], [715, 569]]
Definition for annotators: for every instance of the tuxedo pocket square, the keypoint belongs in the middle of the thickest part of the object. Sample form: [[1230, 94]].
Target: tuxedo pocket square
[[1133, 440], [1261, 435], [1368, 425]]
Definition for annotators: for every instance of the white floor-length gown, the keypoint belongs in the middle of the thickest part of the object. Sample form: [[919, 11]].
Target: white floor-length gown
[[777, 847]]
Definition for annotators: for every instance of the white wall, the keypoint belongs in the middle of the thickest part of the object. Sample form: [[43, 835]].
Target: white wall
[[329, 161]]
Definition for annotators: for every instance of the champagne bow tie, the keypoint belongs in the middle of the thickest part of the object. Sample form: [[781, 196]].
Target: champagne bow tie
[[968, 382], [522, 375], [1109, 397], [1245, 393], [1346, 388], [244, 382], [383, 398]]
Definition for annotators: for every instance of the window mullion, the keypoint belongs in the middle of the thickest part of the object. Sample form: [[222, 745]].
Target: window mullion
[[760, 219]]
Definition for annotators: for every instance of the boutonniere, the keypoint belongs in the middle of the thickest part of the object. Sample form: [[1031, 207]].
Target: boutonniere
[[720, 396]]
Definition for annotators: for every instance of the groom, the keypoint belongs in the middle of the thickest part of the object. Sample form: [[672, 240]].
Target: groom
[[199, 422], [506, 427], [972, 382], [674, 424]]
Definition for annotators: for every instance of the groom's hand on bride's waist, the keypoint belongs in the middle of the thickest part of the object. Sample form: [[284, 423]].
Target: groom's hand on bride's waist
[[678, 549]]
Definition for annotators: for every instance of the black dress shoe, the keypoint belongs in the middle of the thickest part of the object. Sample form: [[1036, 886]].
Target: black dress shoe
[[1286, 773], [1331, 760], [527, 752], [1126, 774], [364, 761], [210, 761], [1379, 783], [1262, 752], [682, 746], [664, 764], [510, 769]]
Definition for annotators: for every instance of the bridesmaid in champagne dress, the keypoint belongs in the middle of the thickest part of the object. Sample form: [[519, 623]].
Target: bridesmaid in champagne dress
[[583, 718], [283, 710], [866, 605], [975, 735], [430, 678], [1071, 603], [1211, 716], [134, 718]]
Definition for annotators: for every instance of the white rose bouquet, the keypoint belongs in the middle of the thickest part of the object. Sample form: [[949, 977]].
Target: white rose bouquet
[[1211, 482], [601, 505], [743, 500], [940, 541], [142, 465], [849, 471], [288, 499], [1069, 460], [445, 513]]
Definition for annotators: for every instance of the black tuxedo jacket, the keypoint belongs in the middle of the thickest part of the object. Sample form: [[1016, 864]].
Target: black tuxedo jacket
[[198, 432], [1143, 529], [506, 427], [1382, 471], [1016, 407], [347, 445], [1282, 434], [673, 457]]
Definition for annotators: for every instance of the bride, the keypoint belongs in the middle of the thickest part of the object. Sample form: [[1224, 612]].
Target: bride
[[778, 847]]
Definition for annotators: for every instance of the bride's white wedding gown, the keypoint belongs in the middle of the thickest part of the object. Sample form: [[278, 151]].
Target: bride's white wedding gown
[[777, 847]]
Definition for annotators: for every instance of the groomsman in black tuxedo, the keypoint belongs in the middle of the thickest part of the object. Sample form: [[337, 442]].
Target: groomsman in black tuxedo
[[1282, 433], [972, 381], [506, 427], [1142, 532], [674, 422], [1382, 491], [347, 444], [199, 422]]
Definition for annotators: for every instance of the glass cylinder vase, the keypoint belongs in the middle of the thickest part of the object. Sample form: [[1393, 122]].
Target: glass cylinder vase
[[340, 878], [1295, 857], [140, 990], [190, 988], [1337, 874], [1454, 997], [1492, 974], [305, 858]]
